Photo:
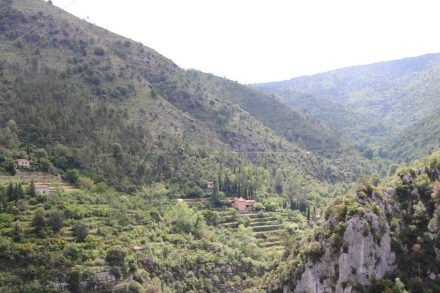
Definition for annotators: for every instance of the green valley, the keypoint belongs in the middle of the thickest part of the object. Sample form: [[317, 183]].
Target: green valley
[[122, 172]]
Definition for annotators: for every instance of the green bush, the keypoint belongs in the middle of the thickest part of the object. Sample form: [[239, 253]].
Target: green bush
[[80, 231], [72, 175], [115, 257], [258, 207], [211, 217], [39, 220], [9, 166], [314, 251], [128, 287], [55, 221]]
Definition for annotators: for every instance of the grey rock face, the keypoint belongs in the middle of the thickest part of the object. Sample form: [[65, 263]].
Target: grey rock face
[[365, 255], [407, 178]]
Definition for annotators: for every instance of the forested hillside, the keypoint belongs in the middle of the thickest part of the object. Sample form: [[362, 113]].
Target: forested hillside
[[416, 140], [382, 100], [119, 171], [126, 115], [134, 138]]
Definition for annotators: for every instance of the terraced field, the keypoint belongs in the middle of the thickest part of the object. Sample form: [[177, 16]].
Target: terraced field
[[267, 227], [55, 183]]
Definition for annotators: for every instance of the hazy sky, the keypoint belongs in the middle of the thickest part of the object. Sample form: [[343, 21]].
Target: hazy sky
[[259, 41]]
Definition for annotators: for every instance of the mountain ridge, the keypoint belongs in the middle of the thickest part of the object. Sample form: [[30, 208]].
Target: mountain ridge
[[390, 97]]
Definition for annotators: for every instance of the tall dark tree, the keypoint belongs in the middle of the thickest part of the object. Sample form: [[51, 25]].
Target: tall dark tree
[[17, 232], [278, 183], [55, 222], [9, 166], [31, 190], [117, 151], [10, 192], [19, 192], [215, 193]]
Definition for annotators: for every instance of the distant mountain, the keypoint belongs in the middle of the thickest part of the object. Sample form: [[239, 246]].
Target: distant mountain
[[372, 102]]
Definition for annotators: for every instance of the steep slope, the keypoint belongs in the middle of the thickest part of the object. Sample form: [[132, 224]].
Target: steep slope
[[377, 240], [349, 123], [383, 90], [130, 116], [292, 125], [397, 93], [416, 140]]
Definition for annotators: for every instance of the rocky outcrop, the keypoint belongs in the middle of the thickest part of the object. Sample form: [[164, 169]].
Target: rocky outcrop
[[365, 253]]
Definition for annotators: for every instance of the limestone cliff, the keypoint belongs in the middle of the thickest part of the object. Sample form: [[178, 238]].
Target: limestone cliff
[[381, 239], [365, 253]]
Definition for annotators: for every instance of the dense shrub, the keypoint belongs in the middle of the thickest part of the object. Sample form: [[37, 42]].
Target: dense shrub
[[39, 220], [80, 231], [115, 257], [55, 221]]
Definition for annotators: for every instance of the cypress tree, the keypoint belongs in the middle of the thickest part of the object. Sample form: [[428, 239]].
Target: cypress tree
[[19, 192], [215, 193], [31, 190], [10, 193]]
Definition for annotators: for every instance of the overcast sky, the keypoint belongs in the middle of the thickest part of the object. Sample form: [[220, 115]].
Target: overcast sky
[[259, 41]]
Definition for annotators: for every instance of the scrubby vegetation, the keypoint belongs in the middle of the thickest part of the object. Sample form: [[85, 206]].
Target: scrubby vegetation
[[414, 230], [75, 106], [72, 240], [127, 142]]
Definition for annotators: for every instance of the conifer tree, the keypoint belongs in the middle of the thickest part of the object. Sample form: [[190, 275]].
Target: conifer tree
[[31, 190], [17, 231], [10, 194], [215, 193], [19, 192]]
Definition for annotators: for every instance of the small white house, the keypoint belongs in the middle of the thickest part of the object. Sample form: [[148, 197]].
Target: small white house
[[23, 163], [42, 188]]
